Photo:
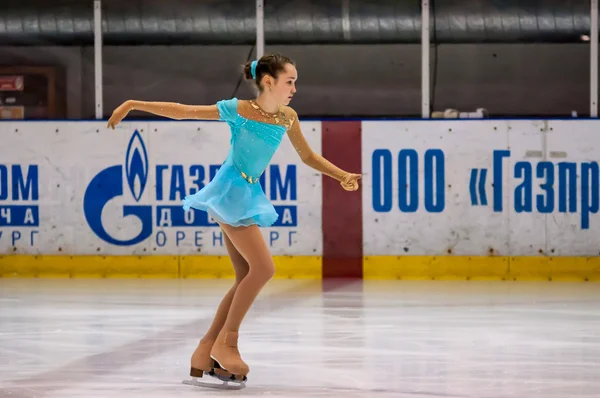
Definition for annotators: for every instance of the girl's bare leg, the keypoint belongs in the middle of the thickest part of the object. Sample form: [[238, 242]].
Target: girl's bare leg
[[250, 243], [201, 358]]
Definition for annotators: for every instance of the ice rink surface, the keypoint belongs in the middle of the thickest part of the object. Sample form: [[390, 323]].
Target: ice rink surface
[[134, 338]]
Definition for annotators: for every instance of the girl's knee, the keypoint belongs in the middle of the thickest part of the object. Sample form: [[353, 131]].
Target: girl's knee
[[264, 272]]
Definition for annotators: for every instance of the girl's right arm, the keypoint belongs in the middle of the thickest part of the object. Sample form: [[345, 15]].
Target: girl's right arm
[[171, 110]]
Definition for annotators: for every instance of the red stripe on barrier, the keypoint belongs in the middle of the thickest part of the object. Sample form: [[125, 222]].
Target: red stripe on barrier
[[342, 210]]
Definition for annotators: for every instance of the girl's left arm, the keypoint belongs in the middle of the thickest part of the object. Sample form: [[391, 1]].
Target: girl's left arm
[[349, 181]]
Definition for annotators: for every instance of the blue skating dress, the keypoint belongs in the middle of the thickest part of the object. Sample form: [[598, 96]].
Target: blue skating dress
[[235, 196]]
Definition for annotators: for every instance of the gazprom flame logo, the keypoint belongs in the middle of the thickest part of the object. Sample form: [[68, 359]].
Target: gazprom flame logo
[[109, 184], [136, 163]]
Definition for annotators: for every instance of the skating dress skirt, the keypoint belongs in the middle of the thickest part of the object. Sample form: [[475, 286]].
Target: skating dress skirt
[[234, 196]]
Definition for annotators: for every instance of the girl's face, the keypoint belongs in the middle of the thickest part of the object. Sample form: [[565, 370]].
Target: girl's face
[[284, 87]]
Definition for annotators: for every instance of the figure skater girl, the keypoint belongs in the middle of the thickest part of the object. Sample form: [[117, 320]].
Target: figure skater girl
[[236, 201]]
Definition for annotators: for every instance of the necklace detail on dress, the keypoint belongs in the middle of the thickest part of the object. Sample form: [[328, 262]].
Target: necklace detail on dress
[[279, 117]]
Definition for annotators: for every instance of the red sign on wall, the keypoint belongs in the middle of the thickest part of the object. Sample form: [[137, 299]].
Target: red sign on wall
[[11, 83]]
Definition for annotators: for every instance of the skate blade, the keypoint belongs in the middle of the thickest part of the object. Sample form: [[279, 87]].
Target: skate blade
[[215, 383]]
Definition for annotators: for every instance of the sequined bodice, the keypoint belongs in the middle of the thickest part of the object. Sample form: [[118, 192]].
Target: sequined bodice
[[253, 145], [253, 142]]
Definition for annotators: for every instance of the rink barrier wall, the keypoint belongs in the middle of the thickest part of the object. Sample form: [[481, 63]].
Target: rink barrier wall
[[79, 200], [481, 199], [509, 208]]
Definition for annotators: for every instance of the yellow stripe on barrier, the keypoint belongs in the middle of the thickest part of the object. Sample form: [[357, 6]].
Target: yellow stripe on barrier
[[64, 266], [482, 268], [306, 267]]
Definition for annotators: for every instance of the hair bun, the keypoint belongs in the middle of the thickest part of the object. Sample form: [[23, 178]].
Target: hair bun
[[248, 71]]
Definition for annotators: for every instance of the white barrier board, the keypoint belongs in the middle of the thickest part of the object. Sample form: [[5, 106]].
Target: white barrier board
[[478, 187], [79, 188]]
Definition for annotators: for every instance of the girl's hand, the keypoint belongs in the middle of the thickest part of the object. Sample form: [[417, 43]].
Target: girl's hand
[[350, 182], [119, 114]]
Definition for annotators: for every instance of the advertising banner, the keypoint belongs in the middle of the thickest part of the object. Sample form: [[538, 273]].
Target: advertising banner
[[509, 188], [79, 188]]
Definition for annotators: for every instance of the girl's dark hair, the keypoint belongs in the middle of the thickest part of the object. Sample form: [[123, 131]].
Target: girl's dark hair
[[270, 64]]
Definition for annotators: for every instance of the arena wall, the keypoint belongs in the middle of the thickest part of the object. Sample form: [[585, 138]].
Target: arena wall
[[439, 199]]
